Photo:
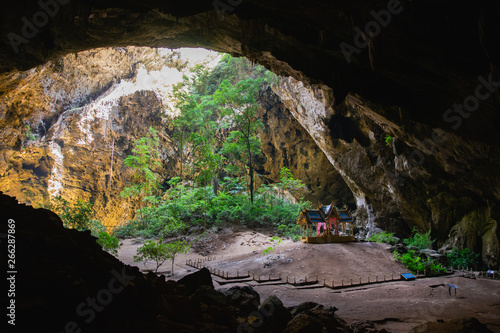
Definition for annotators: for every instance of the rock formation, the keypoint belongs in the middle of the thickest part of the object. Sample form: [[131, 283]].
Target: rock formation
[[423, 73]]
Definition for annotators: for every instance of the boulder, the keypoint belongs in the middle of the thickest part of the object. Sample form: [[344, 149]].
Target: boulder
[[275, 314], [246, 299], [194, 281], [469, 325], [304, 323]]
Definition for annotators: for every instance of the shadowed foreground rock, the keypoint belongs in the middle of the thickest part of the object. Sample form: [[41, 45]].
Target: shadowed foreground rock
[[469, 325]]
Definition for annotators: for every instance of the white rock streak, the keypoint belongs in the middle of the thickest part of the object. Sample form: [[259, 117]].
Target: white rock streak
[[56, 177], [161, 82]]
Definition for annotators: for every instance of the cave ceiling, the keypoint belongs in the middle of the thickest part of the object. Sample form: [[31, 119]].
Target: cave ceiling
[[422, 56]]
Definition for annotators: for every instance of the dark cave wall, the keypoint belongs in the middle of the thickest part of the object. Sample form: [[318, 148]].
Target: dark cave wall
[[429, 59]]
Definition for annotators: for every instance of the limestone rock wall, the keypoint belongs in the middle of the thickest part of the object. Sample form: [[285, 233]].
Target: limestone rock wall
[[433, 180]]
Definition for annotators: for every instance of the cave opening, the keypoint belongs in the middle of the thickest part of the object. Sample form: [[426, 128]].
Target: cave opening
[[406, 82]]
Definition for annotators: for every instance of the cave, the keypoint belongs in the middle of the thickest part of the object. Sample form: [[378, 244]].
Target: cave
[[423, 74]]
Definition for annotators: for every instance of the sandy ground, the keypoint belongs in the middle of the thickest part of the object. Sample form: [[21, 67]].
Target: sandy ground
[[396, 306]]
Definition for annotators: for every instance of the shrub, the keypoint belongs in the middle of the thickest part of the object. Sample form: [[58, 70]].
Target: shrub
[[383, 237], [291, 230], [419, 240], [463, 258], [152, 251], [160, 252], [74, 215], [276, 241], [415, 263], [108, 242]]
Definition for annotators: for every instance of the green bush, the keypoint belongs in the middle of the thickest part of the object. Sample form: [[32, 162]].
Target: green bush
[[108, 242], [415, 263], [419, 240], [73, 215], [463, 258], [160, 252], [383, 237], [291, 231], [182, 207]]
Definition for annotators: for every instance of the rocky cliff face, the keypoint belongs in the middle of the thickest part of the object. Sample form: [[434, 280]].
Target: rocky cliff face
[[81, 117], [410, 181]]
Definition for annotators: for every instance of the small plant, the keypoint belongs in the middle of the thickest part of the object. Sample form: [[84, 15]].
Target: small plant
[[74, 215], [388, 139], [419, 240], [277, 241], [463, 258], [175, 248], [160, 252], [383, 237], [415, 263], [108, 242], [290, 230], [152, 251], [29, 133]]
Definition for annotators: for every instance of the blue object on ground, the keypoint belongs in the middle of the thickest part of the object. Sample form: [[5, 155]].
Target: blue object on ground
[[408, 276]]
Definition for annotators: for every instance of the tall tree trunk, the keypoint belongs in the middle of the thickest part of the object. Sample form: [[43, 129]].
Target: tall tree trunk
[[215, 184], [173, 258], [205, 211], [181, 152]]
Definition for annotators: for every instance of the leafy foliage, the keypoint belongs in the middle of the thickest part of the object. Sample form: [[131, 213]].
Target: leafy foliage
[[276, 241], [291, 230], [79, 216], [175, 248], [144, 161], [218, 126], [160, 252], [152, 251], [388, 139], [29, 133], [74, 215], [463, 258], [383, 237], [183, 206], [415, 263], [419, 240]]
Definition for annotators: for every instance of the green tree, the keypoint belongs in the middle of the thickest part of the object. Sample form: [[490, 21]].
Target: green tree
[[73, 215], [239, 101], [175, 248], [160, 252], [152, 251], [144, 161], [288, 183], [207, 163]]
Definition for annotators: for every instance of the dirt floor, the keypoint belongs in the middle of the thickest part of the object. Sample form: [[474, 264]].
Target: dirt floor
[[396, 306]]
